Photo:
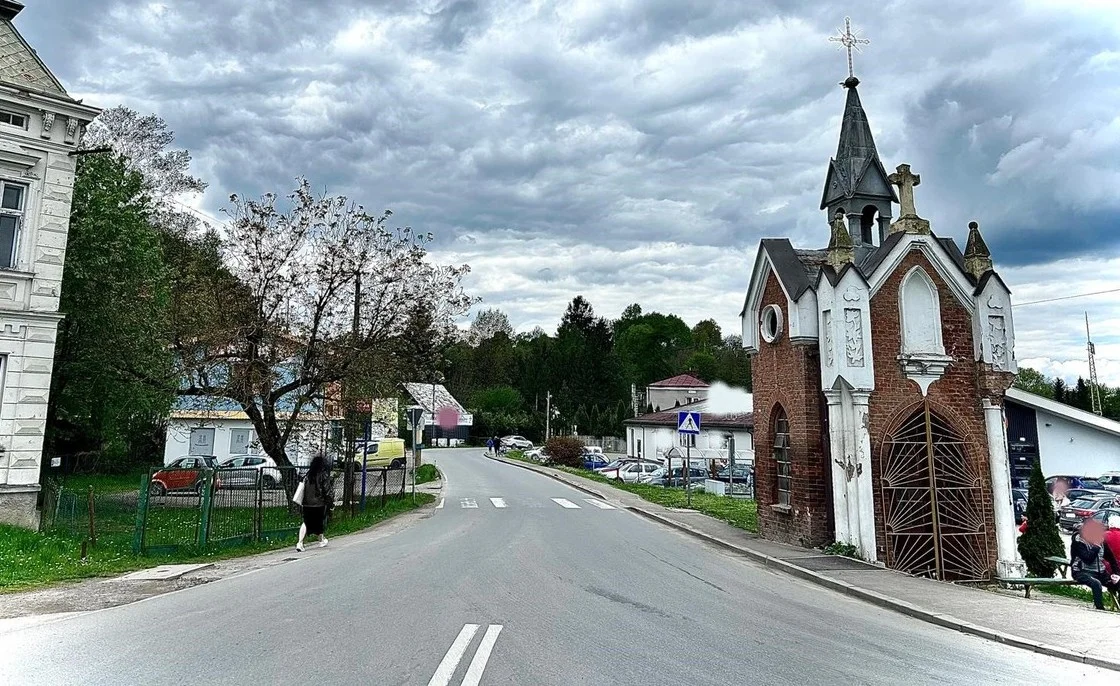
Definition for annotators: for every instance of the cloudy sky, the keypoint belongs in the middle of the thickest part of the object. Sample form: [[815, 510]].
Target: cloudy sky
[[635, 151]]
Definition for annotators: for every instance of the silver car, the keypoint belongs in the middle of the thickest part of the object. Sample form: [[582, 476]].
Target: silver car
[[240, 471]]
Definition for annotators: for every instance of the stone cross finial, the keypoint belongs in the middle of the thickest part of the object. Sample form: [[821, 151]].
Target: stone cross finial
[[905, 182]]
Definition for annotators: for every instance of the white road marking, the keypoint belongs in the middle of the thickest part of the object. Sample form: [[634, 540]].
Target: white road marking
[[498, 502], [468, 503], [482, 655], [440, 506], [600, 504], [450, 662], [565, 503]]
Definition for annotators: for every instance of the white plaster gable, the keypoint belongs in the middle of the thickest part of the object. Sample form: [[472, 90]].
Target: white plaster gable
[[941, 260], [752, 307], [803, 318], [993, 327], [844, 318]]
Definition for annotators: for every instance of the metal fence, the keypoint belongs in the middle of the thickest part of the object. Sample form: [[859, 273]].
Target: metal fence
[[227, 507], [86, 513], [609, 444]]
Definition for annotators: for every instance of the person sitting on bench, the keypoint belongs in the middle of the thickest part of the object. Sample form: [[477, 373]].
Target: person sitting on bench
[[1088, 557]]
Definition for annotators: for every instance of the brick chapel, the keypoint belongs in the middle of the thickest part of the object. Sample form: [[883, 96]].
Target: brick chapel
[[879, 366]]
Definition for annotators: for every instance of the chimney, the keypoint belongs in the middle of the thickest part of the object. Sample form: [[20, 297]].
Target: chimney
[[9, 9]]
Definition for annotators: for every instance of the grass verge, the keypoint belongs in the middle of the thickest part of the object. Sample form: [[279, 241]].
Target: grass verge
[[737, 512], [426, 473], [29, 559], [1075, 592]]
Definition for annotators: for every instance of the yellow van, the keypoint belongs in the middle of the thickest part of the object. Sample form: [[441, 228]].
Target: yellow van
[[381, 453]]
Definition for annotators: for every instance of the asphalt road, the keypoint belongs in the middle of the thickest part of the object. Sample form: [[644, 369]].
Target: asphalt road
[[539, 586]]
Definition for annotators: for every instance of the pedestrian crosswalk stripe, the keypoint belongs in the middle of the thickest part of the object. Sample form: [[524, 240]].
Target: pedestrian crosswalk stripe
[[440, 506], [565, 503], [599, 504], [468, 503], [498, 502]]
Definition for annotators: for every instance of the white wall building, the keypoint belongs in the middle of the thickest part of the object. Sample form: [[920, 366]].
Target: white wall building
[[39, 126], [1067, 440], [651, 436], [224, 433], [683, 389]]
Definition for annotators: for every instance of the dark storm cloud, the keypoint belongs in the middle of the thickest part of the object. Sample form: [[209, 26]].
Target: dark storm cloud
[[643, 143]]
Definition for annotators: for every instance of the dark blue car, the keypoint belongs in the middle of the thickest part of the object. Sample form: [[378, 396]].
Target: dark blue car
[[594, 461]]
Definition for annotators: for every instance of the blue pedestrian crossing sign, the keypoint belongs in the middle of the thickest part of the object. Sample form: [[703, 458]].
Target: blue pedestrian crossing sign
[[688, 423]]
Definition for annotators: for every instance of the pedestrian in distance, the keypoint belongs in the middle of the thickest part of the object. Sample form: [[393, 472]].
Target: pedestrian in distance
[[489, 445], [1091, 563], [316, 501]]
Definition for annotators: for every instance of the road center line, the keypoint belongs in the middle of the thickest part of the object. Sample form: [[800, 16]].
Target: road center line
[[482, 656], [564, 502], [599, 504], [498, 502], [450, 661]]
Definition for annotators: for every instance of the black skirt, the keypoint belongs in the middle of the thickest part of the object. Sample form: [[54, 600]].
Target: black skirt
[[316, 519]]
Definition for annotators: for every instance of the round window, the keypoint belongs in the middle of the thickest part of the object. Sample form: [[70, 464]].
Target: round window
[[771, 325]]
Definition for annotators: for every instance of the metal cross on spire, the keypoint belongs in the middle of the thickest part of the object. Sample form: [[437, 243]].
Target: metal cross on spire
[[850, 42]]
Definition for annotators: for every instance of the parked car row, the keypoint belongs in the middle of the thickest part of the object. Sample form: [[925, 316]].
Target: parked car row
[[240, 471]]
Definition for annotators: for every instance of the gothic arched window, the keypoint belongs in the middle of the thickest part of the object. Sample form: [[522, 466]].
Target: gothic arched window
[[782, 462]]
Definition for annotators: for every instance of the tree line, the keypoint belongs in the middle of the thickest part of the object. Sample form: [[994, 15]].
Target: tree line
[[1077, 395], [588, 368], [294, 298]]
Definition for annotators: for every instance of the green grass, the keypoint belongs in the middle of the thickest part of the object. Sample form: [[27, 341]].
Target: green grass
[[738, 512], [29, 559], [1075, 592], [426, 473]]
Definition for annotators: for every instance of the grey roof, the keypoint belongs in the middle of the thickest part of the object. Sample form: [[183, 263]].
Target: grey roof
[[874, 258], [21, 67], [855, 153], [787, 263], [951, 247], [432, 397]]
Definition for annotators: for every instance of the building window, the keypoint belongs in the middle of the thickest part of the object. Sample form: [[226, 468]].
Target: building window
[[13, 119], [771, 323], [202, 442], [11, 218], [242, 442], [781, 455]]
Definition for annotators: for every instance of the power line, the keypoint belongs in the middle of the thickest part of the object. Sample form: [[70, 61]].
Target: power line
[[1067, 297]]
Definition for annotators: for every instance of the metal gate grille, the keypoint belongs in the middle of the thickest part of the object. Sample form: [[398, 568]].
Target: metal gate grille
[[932, 501]]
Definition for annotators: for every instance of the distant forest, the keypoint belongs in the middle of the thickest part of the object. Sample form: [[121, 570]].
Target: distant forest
[[588, 366], [1076, 395]]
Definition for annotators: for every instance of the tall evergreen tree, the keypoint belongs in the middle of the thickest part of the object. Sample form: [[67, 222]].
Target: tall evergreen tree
[[1041, 539]]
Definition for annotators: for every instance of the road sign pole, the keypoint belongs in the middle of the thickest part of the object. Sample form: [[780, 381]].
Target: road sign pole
[[688, 470]]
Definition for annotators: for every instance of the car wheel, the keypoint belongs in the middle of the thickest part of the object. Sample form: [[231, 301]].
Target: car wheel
[[396, 464], [198, 489], [269, 482], [156, 488]]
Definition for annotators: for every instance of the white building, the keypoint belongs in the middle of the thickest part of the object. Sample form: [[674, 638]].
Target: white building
[[651, 436], [39, 126], [1067, 440], [434, 398], [225, 433], [682, 389]]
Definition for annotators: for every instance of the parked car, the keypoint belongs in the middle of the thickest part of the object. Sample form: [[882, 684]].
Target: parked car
[[741, 473], [592, 460], [1019, 501], [537, 455], [1071, 480], [630, 472], [1109, 481], [381, 453], [1079, 493], [516, 443], [1104, 513], [241, 471], [664, 477], [182, 475], [1071, 516]]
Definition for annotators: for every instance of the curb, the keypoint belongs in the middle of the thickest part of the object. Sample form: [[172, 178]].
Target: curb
[[877, 599]]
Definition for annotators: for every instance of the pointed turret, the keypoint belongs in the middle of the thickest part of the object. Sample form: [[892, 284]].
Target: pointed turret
[[977, 257], [857, 181], [840, 249]]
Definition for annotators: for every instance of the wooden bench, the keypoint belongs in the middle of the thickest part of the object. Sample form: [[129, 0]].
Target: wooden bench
[[1061, 562], [1028, 583]]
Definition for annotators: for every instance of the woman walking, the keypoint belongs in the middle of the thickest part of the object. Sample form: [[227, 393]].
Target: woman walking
[[318, 499]]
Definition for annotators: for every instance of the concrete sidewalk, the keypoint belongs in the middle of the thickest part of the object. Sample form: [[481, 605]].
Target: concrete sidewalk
[[1051, 628]]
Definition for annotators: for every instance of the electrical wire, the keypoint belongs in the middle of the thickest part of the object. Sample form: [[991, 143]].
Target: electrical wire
[[1067, 297]]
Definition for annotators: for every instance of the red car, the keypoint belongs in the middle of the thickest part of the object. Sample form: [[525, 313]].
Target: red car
[[184, 474]]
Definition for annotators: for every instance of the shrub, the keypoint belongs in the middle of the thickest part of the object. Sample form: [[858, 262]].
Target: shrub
[[1041, 539], [565, 450]]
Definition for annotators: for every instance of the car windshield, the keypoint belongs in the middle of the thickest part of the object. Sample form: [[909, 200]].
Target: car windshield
[[1084, 504]]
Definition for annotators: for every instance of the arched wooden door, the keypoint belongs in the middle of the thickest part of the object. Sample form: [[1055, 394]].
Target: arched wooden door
[[932, 501]]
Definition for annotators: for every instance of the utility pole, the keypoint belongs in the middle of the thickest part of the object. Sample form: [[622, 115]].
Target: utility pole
[[1094, 388], [351, 440], [547, 416]]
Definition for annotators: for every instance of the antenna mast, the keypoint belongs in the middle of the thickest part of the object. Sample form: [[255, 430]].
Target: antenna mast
[[1094, 388]]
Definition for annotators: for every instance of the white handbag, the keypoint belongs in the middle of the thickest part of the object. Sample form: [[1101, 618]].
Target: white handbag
[[298, 497]]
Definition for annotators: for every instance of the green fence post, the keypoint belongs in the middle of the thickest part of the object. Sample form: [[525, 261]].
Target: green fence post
[[257, 516], [141, 514], [204, 508]]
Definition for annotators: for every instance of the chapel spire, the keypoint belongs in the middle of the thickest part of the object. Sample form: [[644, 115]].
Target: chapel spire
[[977, 257], [856, 181]]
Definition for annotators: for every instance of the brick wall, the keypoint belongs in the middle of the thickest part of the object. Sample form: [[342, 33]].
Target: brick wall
[[788, 374], [956, 397]]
